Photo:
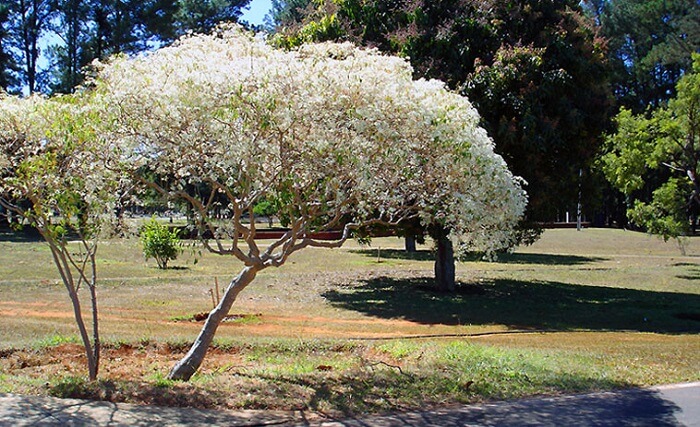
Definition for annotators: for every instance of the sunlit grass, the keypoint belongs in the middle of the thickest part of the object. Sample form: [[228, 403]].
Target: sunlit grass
[[358, 329]]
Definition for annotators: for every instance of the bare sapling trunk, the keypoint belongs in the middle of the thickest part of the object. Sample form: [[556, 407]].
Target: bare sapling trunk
[[63, 262], [94, 364], [92, 349], [444, 264], [188, 365], [93, 368]]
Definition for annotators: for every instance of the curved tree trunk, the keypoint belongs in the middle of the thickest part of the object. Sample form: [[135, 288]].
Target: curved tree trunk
[[444, 264], [188, 365]]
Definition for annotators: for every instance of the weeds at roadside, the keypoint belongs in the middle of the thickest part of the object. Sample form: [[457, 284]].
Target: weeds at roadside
[[336, 377]]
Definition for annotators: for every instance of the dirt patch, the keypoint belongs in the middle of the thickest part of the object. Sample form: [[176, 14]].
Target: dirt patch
[[202, 316], [137, 373]]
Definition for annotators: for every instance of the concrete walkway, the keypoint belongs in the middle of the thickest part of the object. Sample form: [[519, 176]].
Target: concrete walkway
[[673, 405]]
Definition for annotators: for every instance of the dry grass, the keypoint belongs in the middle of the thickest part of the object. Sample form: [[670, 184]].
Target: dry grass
[[620, 309]]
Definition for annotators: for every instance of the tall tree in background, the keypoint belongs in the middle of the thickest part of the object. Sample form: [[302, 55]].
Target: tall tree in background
[[651, 43], [97, 29], [114, 25], [29, 20], [535, 70], [203, 16], [650, 47], [544, 99], [68, 57], [286, 13], [77, 32], [8, 63], [666, 143]]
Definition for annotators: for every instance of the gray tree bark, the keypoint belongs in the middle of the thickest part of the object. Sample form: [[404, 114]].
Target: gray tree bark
[[188, 365]]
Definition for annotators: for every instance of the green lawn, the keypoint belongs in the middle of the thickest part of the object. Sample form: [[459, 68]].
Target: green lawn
[[346, 331]]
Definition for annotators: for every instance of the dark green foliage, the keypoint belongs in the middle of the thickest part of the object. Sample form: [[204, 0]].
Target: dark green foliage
[[650, 43], [28, 22], [69, 56], [97, 29], [543, 98], [267, 208], [654, 159], [284, 13], [8, 61], [202, 16], [536, 72]]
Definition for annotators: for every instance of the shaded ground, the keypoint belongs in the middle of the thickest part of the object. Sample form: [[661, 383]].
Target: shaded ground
[[28, 234], [522, 305], [511, 258], [659, 406]]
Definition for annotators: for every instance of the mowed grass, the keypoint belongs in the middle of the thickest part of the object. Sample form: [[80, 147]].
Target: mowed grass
[[359, 329]]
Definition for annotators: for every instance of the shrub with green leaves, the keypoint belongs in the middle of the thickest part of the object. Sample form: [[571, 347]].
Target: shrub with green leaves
[[160, 242]]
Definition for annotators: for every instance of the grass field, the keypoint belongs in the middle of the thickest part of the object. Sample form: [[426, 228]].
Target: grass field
[[359, 329]]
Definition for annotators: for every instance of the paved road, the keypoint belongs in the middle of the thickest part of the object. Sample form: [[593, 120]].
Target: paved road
[[673, 405]]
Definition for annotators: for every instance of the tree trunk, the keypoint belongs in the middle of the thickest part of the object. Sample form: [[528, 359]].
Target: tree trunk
[[444, 264], [94, 364], [62, 264], [188, 365], [410, 242], [89, 350]]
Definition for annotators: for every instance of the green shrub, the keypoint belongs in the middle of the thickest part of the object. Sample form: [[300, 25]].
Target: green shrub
[[267, 208], [160, 242]]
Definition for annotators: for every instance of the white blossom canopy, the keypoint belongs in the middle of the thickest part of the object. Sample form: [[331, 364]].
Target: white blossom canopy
[[335, 134]]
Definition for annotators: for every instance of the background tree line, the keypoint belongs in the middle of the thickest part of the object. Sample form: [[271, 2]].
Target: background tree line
[[546, 76], [45, 45]]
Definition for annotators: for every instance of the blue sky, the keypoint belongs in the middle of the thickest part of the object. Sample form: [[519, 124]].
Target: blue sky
[[258, 10]]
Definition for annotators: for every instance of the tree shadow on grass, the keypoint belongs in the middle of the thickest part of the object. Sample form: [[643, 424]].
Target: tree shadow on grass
[[139, 391], [637, 407], [523, 305], [547, 259], [358, 392], [514, 258], [419, 255], [26, 235], [175, 404], [692, 270]]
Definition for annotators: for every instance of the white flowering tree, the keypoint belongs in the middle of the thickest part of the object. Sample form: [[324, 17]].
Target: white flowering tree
[[53, 180], [339, 138]]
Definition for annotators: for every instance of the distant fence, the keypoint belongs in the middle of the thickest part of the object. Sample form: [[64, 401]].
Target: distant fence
[[584, 224], [263, 234]]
